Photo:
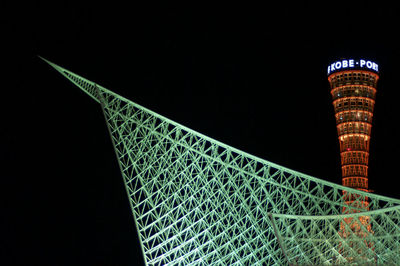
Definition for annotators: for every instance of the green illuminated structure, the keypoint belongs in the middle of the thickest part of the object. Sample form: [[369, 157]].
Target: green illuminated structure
[[198, 201]]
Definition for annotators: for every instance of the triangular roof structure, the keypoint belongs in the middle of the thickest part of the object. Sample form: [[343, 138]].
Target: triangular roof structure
[[198, 201]]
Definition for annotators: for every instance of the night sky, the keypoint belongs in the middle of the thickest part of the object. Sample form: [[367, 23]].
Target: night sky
[[253, 77]]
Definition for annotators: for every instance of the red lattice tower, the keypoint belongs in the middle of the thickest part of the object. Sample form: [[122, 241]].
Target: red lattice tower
[[353, 87]]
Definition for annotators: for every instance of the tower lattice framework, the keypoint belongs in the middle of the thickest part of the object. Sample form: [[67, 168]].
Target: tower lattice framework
[[197, 201], [353, 93]]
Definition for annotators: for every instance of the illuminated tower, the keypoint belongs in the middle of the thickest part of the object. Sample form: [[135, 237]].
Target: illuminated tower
[[353, 88]]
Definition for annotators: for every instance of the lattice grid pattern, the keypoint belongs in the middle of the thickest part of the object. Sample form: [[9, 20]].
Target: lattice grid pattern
[[198, 201]]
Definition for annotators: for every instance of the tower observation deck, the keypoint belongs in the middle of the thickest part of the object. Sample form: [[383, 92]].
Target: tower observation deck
[[198, 201]]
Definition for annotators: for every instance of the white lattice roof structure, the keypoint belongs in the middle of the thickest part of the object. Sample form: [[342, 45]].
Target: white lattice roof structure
[[198, 201]]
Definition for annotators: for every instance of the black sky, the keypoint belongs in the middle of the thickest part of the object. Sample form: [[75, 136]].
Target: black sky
[[253, 77]]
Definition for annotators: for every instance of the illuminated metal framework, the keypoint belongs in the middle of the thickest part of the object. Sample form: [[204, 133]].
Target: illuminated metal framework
[[198, 201], [353, 93]]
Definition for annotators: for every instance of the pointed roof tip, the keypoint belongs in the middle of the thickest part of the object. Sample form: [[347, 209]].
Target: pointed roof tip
[[44, 59], [47, 61], [55, 66], [80, 82]]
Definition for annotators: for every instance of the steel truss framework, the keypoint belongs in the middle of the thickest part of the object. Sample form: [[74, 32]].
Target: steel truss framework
[[198, 201]]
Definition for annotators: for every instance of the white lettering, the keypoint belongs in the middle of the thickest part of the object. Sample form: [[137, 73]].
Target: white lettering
[[333, 67], [375, 66], [351, 63]]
